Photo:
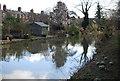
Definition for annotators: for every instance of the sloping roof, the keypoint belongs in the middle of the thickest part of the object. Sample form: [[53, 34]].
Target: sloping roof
[[15, 12], [41, 24]]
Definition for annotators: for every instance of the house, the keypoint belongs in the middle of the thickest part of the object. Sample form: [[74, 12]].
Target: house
[[39, 29], [17, 14]]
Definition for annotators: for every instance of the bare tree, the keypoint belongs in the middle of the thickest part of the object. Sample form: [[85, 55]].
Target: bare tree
[[85, 6]]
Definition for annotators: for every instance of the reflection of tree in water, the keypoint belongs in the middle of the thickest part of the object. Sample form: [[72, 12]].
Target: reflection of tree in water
[[87, 40], [61, 51], [18, 49], [85, 45], [73, 40], [15, 50], [59, 56], [58, 46]]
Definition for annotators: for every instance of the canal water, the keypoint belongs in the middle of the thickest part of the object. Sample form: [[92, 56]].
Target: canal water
[[56, 58]]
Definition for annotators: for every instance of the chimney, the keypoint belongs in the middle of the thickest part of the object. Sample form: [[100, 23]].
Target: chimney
[[78, 17], [32, 10], [4, 7], [42, 12], [19, 8]]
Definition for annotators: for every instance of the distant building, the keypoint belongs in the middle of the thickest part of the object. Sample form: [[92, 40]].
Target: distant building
[[58, 19], [44, 17], [39, 28], [14, 13]]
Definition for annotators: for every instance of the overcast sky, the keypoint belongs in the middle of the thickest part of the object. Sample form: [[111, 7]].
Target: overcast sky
[[47, 5]]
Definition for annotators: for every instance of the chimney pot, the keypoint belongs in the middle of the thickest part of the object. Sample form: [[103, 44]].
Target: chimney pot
[[32, 10], [19, 8], [4, 7]]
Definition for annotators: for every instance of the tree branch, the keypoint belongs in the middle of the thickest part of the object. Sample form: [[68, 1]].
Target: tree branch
[[89, 6], [82, 7], [79, 10]]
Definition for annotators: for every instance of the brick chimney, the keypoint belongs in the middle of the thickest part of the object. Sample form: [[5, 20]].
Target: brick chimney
[[19, 8], [32, 11], [4, 7], [42, 12]]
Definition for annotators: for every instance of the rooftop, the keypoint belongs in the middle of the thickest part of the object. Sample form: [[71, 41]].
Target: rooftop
[[41, 24]]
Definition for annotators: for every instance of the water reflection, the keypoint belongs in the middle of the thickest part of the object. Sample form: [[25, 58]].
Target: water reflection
[[46, 59], [85, 45], [20, 74], [59, 55]]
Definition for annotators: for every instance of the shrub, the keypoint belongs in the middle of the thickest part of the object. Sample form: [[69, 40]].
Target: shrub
[[74, 29]]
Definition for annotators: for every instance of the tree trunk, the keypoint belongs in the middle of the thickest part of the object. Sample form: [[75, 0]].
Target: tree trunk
[[85, 21]]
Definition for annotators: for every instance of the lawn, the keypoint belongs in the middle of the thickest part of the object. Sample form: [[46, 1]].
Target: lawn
[[35, 36]]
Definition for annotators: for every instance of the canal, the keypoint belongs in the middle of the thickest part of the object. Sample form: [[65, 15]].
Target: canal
[[56, 58]]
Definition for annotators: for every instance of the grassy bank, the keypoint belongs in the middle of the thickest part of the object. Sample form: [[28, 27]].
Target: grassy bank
[[3, 42], [107, 52], [35, 36]]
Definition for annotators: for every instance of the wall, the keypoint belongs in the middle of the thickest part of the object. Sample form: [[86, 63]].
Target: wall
[[35, 29]]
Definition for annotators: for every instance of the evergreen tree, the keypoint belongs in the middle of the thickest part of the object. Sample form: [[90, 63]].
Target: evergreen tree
[[98, 12]]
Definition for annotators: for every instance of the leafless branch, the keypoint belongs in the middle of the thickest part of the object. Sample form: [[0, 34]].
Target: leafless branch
[[82, 7], [79, 10], [90, 5], [86, 5]]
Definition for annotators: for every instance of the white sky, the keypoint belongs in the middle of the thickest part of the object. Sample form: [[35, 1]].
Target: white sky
[[39, 5]]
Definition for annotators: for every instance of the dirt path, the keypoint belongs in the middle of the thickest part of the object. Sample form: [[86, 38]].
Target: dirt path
[[108, 53]]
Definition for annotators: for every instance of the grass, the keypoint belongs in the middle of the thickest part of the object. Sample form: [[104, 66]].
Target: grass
[[35, 36]]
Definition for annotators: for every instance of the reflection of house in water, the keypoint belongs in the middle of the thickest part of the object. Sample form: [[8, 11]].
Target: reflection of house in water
[[37, 46], [18, 49]]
